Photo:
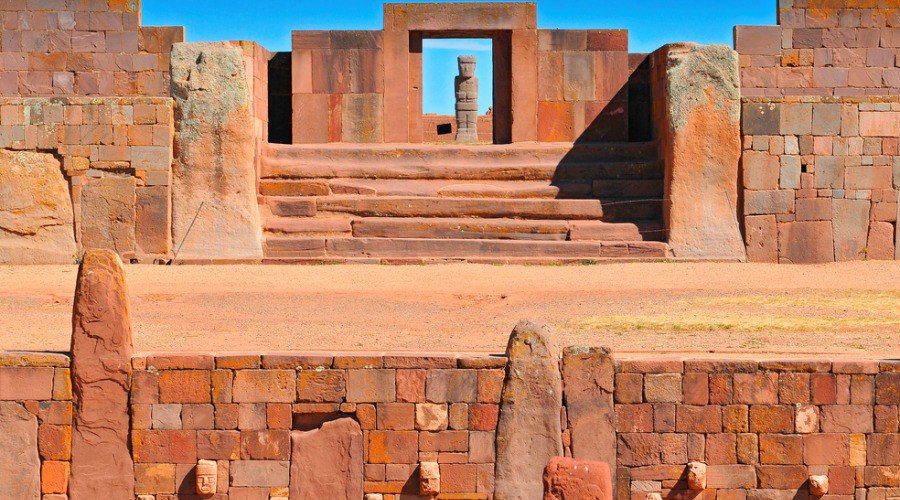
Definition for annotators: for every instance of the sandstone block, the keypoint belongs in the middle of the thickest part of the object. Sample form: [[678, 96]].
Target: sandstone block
[[431, 417], [528, 434], [806, 242], [108, 214], [215, 145], [589, 384], [451, 386], [328, 462], [20, 465], [101, 375], [565, 478], [319, 386], [36, 217], [264, 473], [264, 386], [371, 386]]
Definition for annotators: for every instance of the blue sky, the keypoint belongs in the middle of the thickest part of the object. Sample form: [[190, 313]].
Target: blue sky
[[651, 23]]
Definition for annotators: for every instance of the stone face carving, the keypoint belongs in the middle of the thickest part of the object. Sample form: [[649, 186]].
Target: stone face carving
[[429, 479], [20, 467], [529, 430], [696, 476], [466, 101], [818, 485], [36, 221], [101, 379], [567, 478], [214, 154], [207, 473], [328, 462]]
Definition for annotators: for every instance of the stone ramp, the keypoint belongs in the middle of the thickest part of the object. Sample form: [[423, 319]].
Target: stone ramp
[[488, 203]]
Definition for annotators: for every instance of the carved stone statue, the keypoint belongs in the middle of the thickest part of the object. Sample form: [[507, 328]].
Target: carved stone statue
[[207, 473], [466, 101]]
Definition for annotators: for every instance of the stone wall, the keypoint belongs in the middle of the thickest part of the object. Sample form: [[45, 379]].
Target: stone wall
[[240, 410], [85, 48], [824, 48], [582, 85], [821, 178], [763, 427], [115, 153], [430, 123], [35, 425]]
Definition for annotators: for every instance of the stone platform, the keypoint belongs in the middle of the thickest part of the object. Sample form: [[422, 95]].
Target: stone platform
[[498, 203]]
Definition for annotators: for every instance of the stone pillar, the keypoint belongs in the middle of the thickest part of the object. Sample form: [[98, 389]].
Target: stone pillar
[[699, 134], [466, 87], [529, 433], [101, 379], [589, 381], [215, 146], [328, 462]]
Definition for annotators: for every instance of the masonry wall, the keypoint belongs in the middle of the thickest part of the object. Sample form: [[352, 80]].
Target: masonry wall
[[763, 427], [583, 85], [430, 123], [74, 47], [821, 179]]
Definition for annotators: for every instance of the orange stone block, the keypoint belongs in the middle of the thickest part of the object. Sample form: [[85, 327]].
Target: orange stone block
[[184, 386], [555, 122], [54, 477]]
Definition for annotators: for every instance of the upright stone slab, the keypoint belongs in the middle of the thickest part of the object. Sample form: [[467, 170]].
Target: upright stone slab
[[589, 381], [328, 462], [20, 467], [214, 154], [101, 379], [700, 139], [36, 218], [529, 431]]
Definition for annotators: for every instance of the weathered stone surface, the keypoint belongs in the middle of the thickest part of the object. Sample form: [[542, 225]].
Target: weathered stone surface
[[214, 163], [696, 476], [328, 462], [429, 479], [703, 114], [36, 222], [851, 224], [108, 214], [589, 375], [818, 485], [20, 466], [529, 430], [568, 479], [101, 375]]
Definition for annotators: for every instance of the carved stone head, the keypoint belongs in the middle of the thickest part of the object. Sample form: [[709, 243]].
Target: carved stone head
[[207, 473], [466, 66]]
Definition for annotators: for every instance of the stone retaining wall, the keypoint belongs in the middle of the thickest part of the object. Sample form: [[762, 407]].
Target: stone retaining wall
[[821, 178]]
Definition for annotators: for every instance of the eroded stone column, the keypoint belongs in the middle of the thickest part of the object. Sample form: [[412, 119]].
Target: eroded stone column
[[700, 140], [101, 379], [529, 430]]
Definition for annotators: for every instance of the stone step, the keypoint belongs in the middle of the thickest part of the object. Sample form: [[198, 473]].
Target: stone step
[[585, 171], [435, 188], [623, 209], [422, 206], [482, 229], [441, 154], [317, 226], [284, 249], [635, 188]]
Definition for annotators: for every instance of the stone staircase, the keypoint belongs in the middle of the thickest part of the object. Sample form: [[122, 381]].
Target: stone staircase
[[520, 203]]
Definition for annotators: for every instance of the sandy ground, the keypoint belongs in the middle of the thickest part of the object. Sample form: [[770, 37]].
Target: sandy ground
[[850, 309]]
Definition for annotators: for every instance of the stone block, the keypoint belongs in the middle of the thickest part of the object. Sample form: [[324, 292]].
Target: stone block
[[761, 119], [264, 386], [393, 447], [771, 418], [662, 388], [568, 478], [826, 449], [184, 386], [362, 118], [806, 242], [555, 122], [152, 220], [796, 119], [262, 473], [881, 245], [328, 462], [219, 445], [579, 76], [761, 170], [108, 214], [321, 386], [768, 202], [371, 386], [850, 419], [698, 419], [758, 40], [451, 386], [20, 464], [879, 123], [762, 238], [851, 223]]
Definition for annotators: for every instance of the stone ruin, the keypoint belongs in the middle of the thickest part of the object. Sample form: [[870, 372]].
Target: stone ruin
[[534, 422], [466, 87], [122, 136]]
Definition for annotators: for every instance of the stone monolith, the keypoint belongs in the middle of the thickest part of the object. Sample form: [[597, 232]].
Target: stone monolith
[[36, 221], [529, 430], [328, 462], [101, 379], [589, 381], [701, 148], [20, 467], [215, 147], [466, 85]]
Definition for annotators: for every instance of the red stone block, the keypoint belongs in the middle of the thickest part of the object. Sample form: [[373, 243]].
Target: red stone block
[[219, 445], [458, 478], [823, 387], [264, 386], [393, 447], [608, 40], [320, 386], [565, 478], [55, 412], [887, 418], [371, 386], [721, 449], [696, 388], [702, 419], [411, 386], [852, 419], [826, 449], [806, 242], [237, 362], [629, 388], [555, 122], [226, 416], [793, 387], [266, 445], [490, 385], [444, 441], [758, 40], [144, 388], [54, 477], [395, 416], [887, 388], [197, 417], [756, 388], [365, 414], [781, 477], [636, 450], [883, 449], [771, 418], [483, 417], [279, 416], [780, 449], [184, 386], [181, 362], [634, 418], [164, 446], [720, 388], [762, 238], [736, 418], [664, 417], [55, 442], [22, 383]]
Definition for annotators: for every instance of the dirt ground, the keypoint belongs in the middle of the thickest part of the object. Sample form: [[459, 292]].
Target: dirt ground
[[850, 309]]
